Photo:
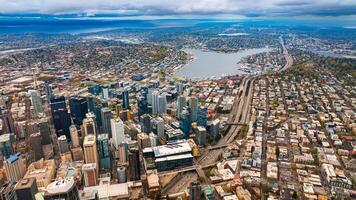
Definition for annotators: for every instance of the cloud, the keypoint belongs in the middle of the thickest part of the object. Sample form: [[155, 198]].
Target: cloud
[[181, 7]]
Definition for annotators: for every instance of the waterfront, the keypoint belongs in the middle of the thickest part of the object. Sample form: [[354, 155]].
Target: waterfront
[[210, 64]]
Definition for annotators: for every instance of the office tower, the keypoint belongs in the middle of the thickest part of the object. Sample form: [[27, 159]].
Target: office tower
[[8, 121], [89, 125], [96, 89], [98, 115], [36, 146], [181, 103], [200, 134], [202, 116], [105, 93], [122, 153], [91, 103], [78, 109], [89, 173], [7, 191], [155, 95], [134, 164], [142, 105], [14, 167], [48, 91], [157, 126], [121, 174], [118, 131], [195, 190], [6, 145], [90, 150], [162, 104], [60, 116], [77, 154], [65, 189], [125, 99], [185, 123], [74, 136], [193, 105], [36, 101], [45, 131], [106, 116], [153, 139], [104, 151], [146, 123], [26, 189], [63, 144], [214, 128], [180, 87]]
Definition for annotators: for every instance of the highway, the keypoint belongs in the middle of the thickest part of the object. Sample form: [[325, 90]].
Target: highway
[[288, 57]]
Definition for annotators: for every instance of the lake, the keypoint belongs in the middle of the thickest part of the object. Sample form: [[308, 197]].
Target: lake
[[210, 64]]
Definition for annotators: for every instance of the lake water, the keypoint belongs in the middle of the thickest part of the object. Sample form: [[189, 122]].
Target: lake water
[[210, 64]]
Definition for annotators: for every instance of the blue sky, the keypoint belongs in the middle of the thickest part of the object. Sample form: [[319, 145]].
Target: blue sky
[[157, 8]]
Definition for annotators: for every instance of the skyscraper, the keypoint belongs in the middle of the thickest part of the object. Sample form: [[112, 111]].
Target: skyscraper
[[146, 123], [202, 116], [45, 131], [185, 123], [90, 150], [91, 103], [104, 151], [155, 95], [158, 126], [162, 104], [14, 167], [74, 136], [89, 125], [36, 146], [90, 175], [125, 99], [78, 109], [118, 131], [60, 116], [181, 103], [193, 105], [195, 190], [26, 189], [36, 101], [106, 116], [63, 144], [48, 91], [6, 145], [134, 164], [142, 105]]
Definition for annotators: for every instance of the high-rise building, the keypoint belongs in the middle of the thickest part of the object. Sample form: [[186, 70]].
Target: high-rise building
[[45, 131], [134, 164], [104, 151], [36, 101], [200, 133], [78, 109], [185, 123], [74, 136], [90, 150], [8, 121], [14, 167], [155, 95], [193, 105], [195, 191], [158, 126], [90, 175], [98, 115], [91, 103], [105, 92], [63, 144], [146, 123], [181, 103], [162, 104], [118, 131], [214, 129], [48, 91], [60, 116], [89, 125], [125, 99], [121, 174], [7, 191], [142, 105], [202, 116], [6, 145], [26, 189], [106, 116], [36, 146]]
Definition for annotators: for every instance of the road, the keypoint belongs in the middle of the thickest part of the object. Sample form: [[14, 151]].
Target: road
[[288, 57]]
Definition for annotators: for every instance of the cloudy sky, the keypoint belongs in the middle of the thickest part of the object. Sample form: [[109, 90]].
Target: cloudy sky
[[243, 8]]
